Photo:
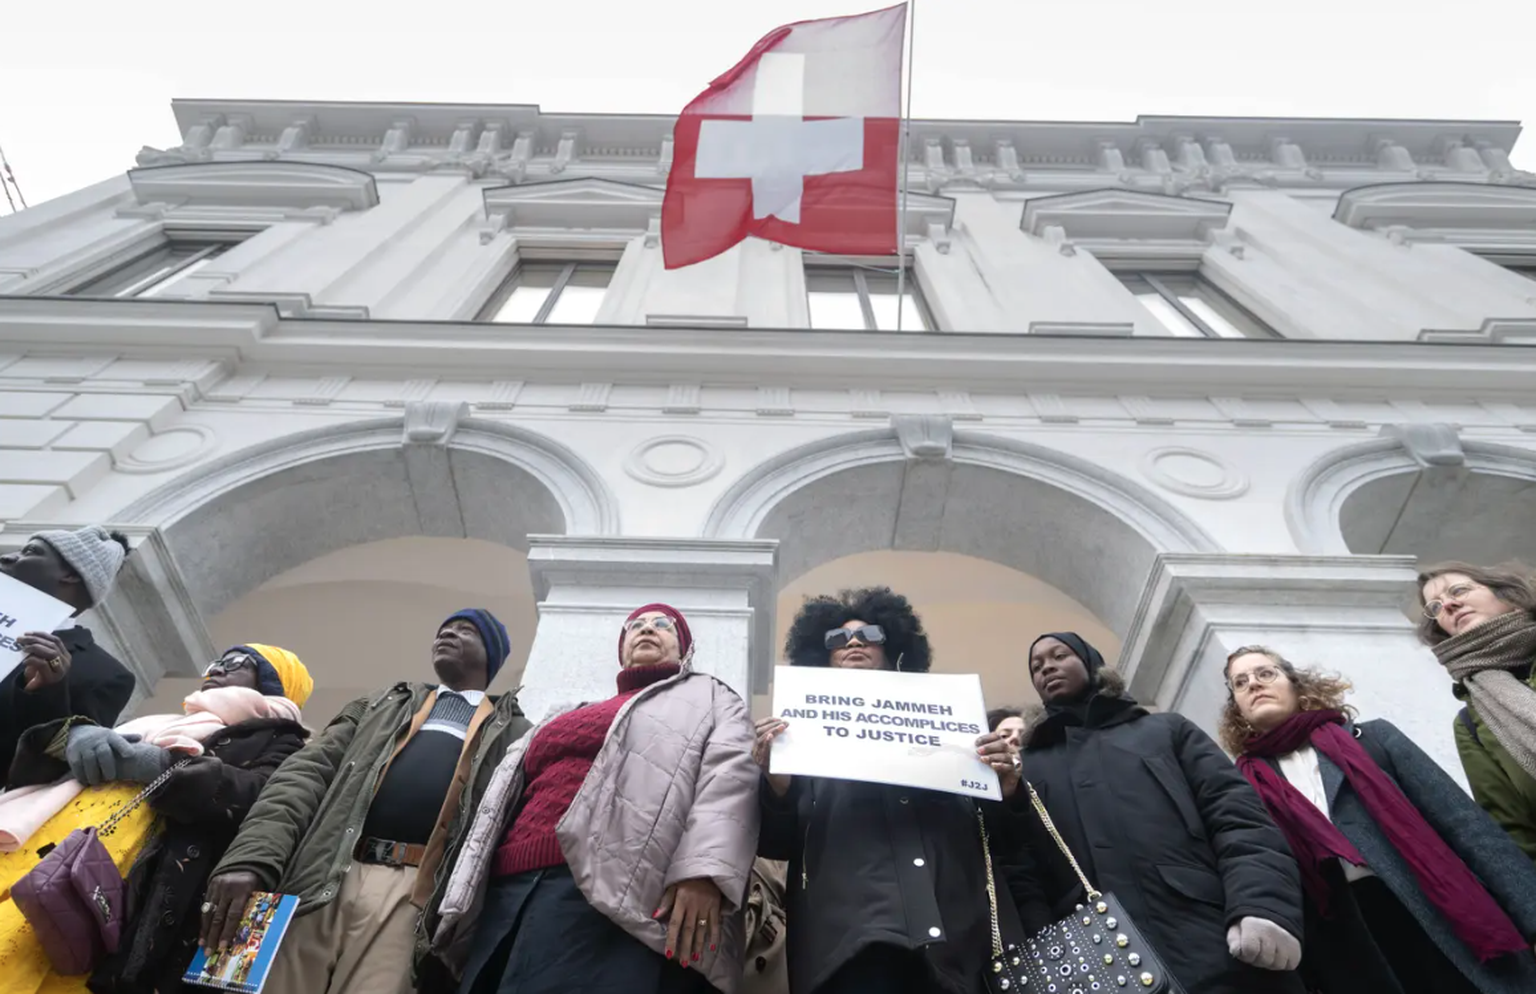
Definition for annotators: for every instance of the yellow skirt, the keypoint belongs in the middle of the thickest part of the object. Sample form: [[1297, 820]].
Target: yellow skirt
[[24, 967]]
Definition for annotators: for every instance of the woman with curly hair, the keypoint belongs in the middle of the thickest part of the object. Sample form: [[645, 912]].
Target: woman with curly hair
[[1160, 817], [887, 885], [1481, 624], [1410, 888]]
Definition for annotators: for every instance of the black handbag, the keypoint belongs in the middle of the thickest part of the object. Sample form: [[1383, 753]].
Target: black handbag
[[1096, 948]]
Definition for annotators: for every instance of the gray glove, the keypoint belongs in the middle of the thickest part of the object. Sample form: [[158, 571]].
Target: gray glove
[[1260, 942], [99, 755]]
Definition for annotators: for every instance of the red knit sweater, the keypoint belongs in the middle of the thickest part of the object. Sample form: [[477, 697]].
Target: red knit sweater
[[554, 767]]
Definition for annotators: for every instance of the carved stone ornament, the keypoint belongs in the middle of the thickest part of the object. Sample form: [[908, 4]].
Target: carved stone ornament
[[674, 461], [925, 436], [1430, 445], [1194, 473], [432, 422]]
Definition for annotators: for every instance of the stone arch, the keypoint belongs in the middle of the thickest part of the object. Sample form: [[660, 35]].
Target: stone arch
[[1418, 490], [921, 487], [236, 522]]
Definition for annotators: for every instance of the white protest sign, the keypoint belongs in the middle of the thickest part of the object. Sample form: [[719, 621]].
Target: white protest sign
[[906, 729], [23, 610]]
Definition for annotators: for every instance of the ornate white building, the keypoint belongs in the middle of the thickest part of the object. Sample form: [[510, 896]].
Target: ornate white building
[[1181, 384]]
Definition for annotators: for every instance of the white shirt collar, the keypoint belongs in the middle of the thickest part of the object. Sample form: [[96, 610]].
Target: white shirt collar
[[474, 697]]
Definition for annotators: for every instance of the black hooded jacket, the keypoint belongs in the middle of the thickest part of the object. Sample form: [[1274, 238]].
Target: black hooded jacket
[[1158, 815]]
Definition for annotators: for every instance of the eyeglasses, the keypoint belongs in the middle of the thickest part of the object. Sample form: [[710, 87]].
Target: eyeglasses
[[839, 638], [1458, 592], [661, 624], [233, 664], [1262, 677]]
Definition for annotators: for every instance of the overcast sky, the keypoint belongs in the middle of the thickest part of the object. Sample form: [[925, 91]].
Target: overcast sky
[[85, 83]]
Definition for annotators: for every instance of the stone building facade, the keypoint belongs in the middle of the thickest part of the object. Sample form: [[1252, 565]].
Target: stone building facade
[[1202, 382]]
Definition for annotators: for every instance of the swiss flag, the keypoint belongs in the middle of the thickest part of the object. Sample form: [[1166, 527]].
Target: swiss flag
[[798, 144]]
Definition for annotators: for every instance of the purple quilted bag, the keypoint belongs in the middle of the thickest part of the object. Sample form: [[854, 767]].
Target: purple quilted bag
[[73, 898]]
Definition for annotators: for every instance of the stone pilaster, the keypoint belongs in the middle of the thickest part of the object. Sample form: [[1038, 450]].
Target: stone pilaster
[[1349, 614], [586, 586]]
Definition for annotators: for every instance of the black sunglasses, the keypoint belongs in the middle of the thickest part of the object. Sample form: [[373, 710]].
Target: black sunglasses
[[231, 665], [838, 638]]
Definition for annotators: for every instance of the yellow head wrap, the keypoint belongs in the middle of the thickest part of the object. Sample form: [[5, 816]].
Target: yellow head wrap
[[297, 683]]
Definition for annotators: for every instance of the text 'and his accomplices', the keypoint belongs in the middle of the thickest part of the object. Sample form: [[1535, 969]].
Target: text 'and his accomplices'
[[878, 719]]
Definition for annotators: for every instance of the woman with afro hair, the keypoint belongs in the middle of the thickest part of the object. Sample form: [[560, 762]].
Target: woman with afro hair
[[887, 885]]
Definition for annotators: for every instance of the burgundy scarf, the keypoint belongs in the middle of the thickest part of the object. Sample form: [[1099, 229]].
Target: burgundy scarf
[[1453, 889]]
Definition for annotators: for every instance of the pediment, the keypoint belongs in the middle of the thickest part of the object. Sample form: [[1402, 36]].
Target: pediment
[[576, 203], [1437, 205], [1125, 214], [296, 185]]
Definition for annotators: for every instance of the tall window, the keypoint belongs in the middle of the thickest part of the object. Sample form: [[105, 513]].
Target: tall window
[[1187, 306], [855, 298], [550, 293], [154, 272]]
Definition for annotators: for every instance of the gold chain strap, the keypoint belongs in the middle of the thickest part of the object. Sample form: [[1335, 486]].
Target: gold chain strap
[[986, 852], [1050, 826], [110, 825]]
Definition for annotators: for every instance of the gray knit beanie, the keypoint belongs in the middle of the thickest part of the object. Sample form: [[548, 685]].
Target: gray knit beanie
[[91, 552]]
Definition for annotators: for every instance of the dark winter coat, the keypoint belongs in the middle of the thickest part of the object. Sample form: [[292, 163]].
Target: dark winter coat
[[201, 806], [1498, 862], [872, 864], [97, 688], [1159, 816]]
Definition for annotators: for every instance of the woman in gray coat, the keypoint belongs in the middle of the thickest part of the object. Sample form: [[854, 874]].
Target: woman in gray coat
[[612, 850], [1411, 888]]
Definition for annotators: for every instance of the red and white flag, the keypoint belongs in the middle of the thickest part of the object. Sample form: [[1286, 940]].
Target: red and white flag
[[798, 144]]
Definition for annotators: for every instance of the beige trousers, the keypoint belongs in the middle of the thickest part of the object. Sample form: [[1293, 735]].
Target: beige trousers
[[360, 943]]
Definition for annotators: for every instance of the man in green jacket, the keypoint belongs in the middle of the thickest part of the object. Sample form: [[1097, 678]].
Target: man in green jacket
[[362, 824]]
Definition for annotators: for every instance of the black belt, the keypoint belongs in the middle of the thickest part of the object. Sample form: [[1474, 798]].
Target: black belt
[[387, 853]]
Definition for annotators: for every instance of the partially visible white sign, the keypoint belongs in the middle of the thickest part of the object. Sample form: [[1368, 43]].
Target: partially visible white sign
[[23, 610], [907, 729]]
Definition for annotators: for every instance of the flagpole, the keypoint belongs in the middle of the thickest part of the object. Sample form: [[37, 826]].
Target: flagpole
[[901, 213]]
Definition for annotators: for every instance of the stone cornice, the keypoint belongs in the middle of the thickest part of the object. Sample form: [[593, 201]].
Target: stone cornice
[[1474, 206], [1156, 153], [255, 333]]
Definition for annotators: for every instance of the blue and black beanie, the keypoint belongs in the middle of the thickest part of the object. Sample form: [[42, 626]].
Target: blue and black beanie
[[492, 632]]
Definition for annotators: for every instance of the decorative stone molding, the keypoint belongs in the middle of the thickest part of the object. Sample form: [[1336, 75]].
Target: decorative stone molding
[[1437, 205], [579, 492], [432, 423], [593, 204], [1316, 497], [1429, 444], [1180, 469], [291, 185], [1113, 214], [178, 446], [674, 461], [739, 512], [925, 436], [1493, 331]]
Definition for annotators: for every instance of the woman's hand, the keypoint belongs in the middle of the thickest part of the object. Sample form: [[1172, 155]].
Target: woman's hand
[[694, 906], [769, 729], [997, 752]]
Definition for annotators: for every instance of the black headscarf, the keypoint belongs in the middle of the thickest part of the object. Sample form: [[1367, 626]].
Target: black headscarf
[[1079, 711]]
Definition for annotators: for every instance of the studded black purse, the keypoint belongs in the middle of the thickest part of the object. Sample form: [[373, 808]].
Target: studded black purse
[[1096, 948]]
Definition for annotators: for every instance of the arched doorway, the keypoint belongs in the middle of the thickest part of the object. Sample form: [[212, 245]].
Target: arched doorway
[[343, 540], [1425, 494], [944, 513]]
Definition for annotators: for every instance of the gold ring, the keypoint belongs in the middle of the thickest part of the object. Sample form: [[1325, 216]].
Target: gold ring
[[703, 922]]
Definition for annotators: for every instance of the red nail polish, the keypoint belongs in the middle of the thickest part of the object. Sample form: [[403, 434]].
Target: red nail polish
[[669, 954], [695, 957], [711, 947]]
